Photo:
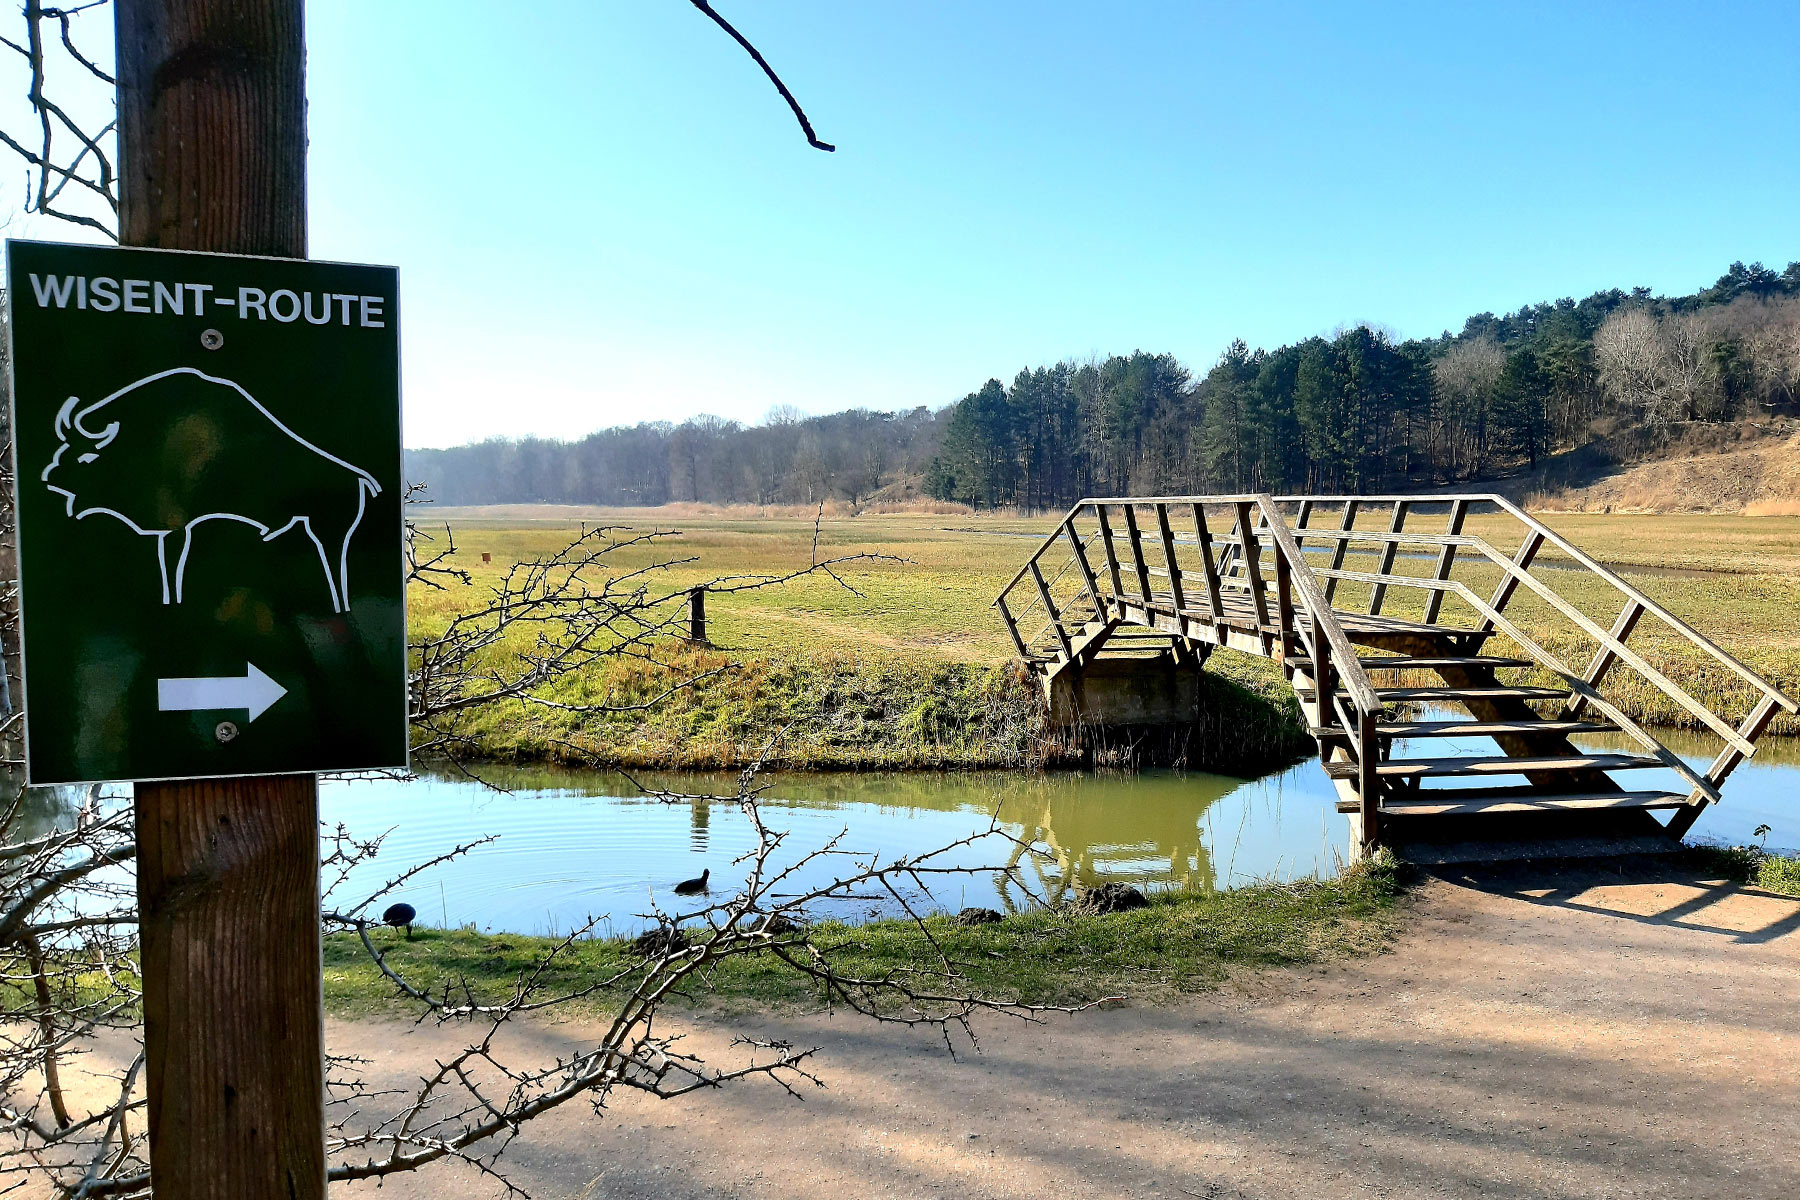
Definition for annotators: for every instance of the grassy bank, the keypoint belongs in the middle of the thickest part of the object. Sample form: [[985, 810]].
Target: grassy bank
[[1182, 942], [911, 669], [838, 711], [1753, 865]]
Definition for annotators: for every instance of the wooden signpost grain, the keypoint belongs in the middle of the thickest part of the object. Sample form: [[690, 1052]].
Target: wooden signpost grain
[[212, 148]]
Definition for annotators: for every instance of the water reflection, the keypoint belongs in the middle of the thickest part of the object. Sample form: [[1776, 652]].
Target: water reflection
[[1760, 792], [575, 844], [701, 815]]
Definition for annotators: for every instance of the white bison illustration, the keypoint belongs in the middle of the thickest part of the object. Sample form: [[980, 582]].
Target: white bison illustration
[[180, 448]]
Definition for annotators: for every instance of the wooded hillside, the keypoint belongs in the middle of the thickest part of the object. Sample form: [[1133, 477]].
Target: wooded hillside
[[1355, 412]]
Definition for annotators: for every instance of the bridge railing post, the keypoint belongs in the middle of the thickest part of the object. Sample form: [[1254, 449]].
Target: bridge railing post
[[1604, 658], [1251, 549], [1043, 590], [1208, 564], [1368, 754], [1086, 568], [1136, 539], [1389, 549], [1284, 603], [1324, 678], [1012, 626], [1434, 600], [1723, 765], [1509, 583], [1112, 553], [1176, 591], [1341, 547]]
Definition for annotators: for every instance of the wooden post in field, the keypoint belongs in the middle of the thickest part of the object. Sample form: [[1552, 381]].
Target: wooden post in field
[[697, 616], [212, 150]]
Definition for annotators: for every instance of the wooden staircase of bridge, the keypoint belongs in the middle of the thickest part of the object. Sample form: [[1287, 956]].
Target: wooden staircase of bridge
[[1440, 618]]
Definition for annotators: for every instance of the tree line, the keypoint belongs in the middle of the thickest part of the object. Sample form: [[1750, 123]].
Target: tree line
[[1363, 412], [788, 458], [1359, 411]]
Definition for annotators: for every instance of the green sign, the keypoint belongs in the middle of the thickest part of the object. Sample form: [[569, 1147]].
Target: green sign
[[207, 453]]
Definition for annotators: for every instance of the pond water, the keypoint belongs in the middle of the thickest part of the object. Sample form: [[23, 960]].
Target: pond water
[[575, 844], [571, 845]]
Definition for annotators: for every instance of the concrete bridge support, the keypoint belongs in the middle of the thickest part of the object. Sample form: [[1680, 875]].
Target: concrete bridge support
[[1165, 690]]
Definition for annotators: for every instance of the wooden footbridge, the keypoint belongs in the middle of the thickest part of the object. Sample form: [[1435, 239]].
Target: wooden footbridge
[[1516, 650]]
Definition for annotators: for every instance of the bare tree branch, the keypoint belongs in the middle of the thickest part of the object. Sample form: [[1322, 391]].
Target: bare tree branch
[[88, 163], [812, 139]]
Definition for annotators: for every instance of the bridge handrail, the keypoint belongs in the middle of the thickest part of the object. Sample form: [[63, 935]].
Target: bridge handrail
[[1538, 528], [1295, 614], [1345, 661], [1355, 680], [1343, 696], [1036, 554]]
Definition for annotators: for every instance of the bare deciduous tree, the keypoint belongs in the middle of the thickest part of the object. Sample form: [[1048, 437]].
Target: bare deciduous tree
[[1687, 366], [1628, 353], [1464, 379], [70, 995]]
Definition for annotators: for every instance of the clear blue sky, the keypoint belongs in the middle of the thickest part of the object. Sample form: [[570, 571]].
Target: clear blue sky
[[603, 213]]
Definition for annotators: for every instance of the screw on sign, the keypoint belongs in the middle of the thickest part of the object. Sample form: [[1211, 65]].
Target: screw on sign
[[243, 492]]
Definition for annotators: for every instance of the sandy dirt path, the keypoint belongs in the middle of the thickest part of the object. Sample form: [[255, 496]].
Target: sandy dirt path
[[1567, 1034]]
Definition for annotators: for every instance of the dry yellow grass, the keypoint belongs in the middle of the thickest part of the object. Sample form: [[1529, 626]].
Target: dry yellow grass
[[1736, 579], [1757, 478]]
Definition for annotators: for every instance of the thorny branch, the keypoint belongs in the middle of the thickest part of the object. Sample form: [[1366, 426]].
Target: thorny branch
[[69, 990], [473, 1102], [60, 153], [70, 993], [561, 616]]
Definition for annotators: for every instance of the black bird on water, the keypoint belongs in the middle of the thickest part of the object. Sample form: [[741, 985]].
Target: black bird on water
[[398, 915], [688, 887]]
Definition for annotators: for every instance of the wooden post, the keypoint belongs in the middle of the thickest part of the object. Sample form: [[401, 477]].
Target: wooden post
[[212, 156], [1368, 783], [1378, 594], [1087, 569], [1459, 509], [1208, 565], [1251, 550], [1112, 554], [697, 616], [1509, 583], [1062, 635], [1168, 542], [1012, 626], [1604, 658], [1284, 604], [1342, 547], [1136, 538]]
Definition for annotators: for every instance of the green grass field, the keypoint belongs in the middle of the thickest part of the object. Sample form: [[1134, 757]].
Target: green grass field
[[910, 668]]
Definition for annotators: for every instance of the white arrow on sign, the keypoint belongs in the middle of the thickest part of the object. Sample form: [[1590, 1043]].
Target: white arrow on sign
[[252, 691]]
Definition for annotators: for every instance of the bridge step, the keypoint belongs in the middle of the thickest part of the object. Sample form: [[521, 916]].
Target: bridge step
[[1408, 662], [1404, 662], [1418, 768], [1471, 801], [1426, 729], [1451, 694]]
